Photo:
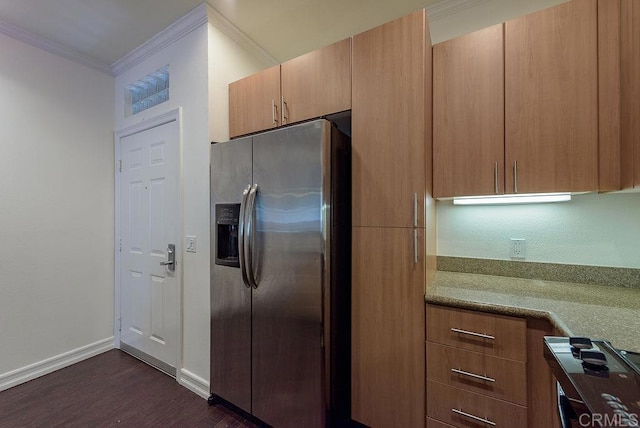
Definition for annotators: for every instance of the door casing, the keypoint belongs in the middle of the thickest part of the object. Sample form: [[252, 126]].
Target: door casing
[[171, 116]]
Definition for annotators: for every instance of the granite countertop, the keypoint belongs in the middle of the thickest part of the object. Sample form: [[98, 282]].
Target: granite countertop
[[595, 311]]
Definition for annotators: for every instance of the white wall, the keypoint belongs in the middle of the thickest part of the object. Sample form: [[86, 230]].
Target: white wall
[[56, 206], [227, 62], [591, 229], [188, 68], [201, 65]]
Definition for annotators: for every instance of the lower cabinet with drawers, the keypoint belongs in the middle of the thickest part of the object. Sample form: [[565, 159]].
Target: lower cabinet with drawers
[[479, 370]]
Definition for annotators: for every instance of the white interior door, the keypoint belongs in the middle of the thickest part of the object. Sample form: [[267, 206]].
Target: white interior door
[[148, 223]]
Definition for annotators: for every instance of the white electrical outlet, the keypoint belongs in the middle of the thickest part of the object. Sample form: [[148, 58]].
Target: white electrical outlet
[[190, 244], [517, 248]]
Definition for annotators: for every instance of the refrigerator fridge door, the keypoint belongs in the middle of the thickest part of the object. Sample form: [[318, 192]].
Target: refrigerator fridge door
[[231, 173], [290, 265]]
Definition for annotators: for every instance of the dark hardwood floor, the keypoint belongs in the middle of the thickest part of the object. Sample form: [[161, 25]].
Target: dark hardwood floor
[[111, 389]]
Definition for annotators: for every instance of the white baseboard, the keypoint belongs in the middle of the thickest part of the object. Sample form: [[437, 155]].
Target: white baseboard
[[194, 383], [41, 368]]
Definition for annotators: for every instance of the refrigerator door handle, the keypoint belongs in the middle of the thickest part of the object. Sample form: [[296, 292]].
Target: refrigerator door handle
[[248, 236], [241, 235]]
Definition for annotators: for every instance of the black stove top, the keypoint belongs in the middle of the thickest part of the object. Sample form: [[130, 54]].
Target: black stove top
[[600, 381], [632, 358]]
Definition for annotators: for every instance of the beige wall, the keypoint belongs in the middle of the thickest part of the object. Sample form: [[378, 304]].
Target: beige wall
[[481, 14]]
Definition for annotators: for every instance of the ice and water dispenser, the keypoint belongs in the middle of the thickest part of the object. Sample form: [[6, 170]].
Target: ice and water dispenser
[[227, 221]]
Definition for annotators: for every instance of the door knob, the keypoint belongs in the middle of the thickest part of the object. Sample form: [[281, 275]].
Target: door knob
[[171, 258]]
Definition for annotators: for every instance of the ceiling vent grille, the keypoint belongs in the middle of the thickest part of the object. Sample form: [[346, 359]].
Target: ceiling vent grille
[[147, 92]]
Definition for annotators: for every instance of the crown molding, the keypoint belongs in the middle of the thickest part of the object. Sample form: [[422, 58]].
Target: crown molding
[[201, 14], [174, 32], [32, 39], [234, 33], [446, 8]]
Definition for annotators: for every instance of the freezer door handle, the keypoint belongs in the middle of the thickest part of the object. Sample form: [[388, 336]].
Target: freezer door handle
[[250, 217], [241, 236]]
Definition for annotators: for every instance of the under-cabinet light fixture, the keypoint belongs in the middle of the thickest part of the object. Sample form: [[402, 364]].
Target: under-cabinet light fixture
[[532, 198]]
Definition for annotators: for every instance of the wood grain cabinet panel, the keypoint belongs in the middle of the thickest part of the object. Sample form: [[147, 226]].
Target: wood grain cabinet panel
[[317, 83], [609, 147], [391, 75], [254, 102], [492, 334], [551, 100], [388, 124], [476, 372], [463, 408], [309, 86], [541, 384], [387, 335], [619, 86], [468, 114], [630, 92]]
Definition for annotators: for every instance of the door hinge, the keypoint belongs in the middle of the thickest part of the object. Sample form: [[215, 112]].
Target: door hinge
[[120, 246], [119, 324], [120, 166]]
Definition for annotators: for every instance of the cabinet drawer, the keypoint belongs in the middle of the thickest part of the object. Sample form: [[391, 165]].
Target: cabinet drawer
[[492, 334], [432, 423], [463, 408], [476, 372]]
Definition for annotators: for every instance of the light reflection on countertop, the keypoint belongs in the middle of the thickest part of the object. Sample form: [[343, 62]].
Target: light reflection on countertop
[[596, 311]]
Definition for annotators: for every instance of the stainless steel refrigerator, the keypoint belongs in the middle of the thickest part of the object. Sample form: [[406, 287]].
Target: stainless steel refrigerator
[[280, 275]]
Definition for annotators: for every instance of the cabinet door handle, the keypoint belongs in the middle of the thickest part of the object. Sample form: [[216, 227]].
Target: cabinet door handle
[[471, 333], [473, 417], [495, 178], [415, 210], [473, 375], [515, 176], [283, 108], [415, 246], [274, 121]]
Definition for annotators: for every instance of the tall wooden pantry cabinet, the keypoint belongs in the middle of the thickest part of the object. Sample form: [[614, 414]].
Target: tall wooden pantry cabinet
[[391, 143]]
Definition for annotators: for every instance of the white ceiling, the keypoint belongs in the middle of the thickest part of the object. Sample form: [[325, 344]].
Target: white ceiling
[[98, 33], [106, 30]]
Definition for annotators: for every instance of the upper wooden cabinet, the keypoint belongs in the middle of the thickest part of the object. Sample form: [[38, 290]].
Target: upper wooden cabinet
[[254, 102], [388, 124], [551, 99], [312, 85], [317, 83], [516, 111], [619, 86], [630, 92], [468, 114]]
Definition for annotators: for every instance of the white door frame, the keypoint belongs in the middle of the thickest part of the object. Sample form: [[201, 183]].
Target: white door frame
[[171, 116]]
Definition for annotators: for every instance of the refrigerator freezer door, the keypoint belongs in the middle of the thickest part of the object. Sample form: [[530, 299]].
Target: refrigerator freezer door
[[290, 265], [230, 298]]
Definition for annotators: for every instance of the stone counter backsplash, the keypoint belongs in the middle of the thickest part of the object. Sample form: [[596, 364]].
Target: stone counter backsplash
[[582, 274]]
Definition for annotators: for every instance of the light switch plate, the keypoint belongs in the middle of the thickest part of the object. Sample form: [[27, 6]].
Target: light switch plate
[[190, 244]]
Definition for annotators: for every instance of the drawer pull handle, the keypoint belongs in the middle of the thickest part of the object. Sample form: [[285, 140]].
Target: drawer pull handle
[[473, 375], [474, 417], [471, 333]]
